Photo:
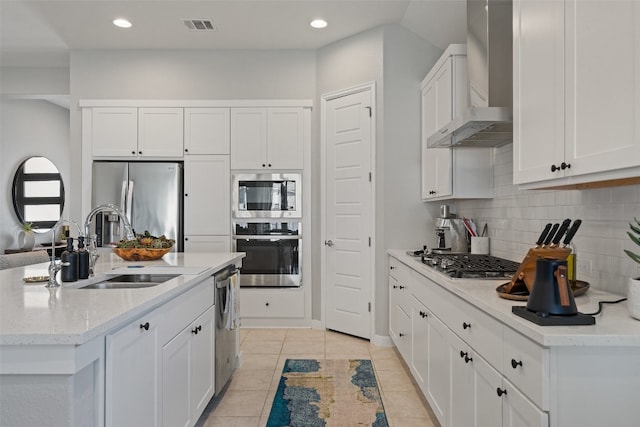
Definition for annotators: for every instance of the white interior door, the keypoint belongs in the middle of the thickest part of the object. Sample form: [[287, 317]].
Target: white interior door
[[348, 214]]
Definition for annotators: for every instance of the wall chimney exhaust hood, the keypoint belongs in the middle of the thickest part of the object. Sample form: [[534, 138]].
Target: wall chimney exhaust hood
[[489, 120]]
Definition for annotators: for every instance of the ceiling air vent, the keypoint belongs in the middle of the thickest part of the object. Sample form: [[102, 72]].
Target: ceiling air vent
[[199, 24]]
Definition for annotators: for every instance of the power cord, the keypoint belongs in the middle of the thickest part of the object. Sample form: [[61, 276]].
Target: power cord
[[601, 303]]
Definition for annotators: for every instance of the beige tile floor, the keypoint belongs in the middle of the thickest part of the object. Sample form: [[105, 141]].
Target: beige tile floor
[[246, 402]]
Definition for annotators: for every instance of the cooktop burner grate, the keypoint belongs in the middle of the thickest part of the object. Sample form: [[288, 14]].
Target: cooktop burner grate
[[472, 265]]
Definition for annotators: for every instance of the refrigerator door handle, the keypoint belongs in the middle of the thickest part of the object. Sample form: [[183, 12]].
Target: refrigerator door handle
[[123, 196], [129, 206]]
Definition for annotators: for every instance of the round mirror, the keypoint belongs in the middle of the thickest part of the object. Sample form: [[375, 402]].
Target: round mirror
[[38, 193]]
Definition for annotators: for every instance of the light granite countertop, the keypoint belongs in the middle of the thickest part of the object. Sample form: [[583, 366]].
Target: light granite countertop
[[614, 326], [31, 314]]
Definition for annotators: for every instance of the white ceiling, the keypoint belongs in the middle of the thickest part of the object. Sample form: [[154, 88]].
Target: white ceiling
[[41, 33]]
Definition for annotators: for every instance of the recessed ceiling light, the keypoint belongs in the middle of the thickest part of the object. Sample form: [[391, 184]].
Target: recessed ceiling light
[[122, 23], [318, 23]]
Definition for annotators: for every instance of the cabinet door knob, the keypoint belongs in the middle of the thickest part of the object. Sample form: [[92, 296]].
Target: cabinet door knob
[[392, 267], [466, 325], [196, 329], [269, 164], [463, 354], [267, 305], [468, 359], [564, 165], [501, 391], [401, 335], [264, 165], [423, 314], [145, 326], [133, 152], [139, 152], [554, 168], [515, 364], [186, 150], [402, 287]]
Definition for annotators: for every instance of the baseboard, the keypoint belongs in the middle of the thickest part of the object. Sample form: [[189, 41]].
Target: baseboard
[[382, 340], [317, 324]]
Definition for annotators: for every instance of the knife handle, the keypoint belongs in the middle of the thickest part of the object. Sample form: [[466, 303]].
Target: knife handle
[[572, 232], [561, 231], [543, 235], [551, 233]]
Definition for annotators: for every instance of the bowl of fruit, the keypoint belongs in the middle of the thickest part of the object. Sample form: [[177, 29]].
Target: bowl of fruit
[[144, 247]]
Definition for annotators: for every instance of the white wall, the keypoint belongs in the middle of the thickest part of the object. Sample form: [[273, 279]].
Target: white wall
[[184, 74], [397, 61], [341, 65], [29, 128], [517, 217]]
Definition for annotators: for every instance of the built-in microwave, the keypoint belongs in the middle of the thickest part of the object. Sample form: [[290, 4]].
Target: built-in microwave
[[271, 195]]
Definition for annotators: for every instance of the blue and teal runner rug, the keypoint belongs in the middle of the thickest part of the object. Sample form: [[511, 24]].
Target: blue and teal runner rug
[[324, 393]]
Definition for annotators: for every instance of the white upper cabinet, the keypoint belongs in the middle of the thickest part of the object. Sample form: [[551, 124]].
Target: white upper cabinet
[[114, 131], [207, 130], [576, 92], [136, 132], [267, 138], [207, 203], [160, 132], [445, 171]]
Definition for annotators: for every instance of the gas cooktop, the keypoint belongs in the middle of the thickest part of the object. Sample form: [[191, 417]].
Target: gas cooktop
[[471, 266]]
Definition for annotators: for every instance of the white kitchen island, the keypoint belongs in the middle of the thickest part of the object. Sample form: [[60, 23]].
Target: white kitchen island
[[68, 355], [479, 364]]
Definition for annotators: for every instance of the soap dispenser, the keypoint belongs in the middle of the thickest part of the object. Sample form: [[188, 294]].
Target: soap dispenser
[[83, 259], [69, 258]]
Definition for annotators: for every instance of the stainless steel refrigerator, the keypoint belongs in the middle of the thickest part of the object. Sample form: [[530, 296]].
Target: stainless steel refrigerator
[[150, 194]]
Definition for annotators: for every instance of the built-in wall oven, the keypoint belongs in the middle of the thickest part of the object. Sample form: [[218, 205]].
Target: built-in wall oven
[[271, 195], [273, 253]]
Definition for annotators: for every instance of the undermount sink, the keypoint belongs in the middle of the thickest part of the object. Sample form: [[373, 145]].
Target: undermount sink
[[132, 281]]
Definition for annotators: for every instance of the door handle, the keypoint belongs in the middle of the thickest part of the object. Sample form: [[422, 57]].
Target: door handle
[[328, 243]]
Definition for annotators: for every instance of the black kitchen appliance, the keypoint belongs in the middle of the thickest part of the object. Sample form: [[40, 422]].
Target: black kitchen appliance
[[471, 266], [551, 300]]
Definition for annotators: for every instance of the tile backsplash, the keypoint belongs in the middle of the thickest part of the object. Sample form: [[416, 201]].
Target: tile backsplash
[[516, 217]]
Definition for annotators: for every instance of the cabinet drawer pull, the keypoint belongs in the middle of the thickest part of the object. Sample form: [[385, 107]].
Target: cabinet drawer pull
[[501, 391], [145, 326], [515, 364], [466, 325]]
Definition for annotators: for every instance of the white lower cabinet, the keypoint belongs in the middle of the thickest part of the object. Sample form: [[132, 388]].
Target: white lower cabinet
[[188, 372], [160, 368], [133, 373], [472, 369]]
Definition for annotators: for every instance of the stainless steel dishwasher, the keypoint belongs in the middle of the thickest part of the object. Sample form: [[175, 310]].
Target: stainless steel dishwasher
[[227, 288]]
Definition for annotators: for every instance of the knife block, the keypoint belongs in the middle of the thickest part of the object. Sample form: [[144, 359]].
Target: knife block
[[526, 273]]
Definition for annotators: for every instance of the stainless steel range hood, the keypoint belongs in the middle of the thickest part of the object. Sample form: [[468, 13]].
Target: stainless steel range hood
[[489, 120]]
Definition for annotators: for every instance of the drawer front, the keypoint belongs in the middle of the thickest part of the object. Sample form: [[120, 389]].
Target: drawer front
[[399, 271], [186, 308], [526, 365], [271, 303], [479, 330], [430, 295]]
